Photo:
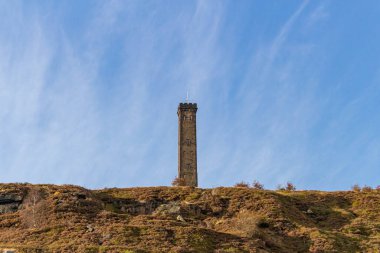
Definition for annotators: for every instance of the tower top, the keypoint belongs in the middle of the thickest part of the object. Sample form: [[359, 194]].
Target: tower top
[[188, 105]]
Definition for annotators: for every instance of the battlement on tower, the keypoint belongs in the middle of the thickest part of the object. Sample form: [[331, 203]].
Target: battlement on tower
[[189, 106]]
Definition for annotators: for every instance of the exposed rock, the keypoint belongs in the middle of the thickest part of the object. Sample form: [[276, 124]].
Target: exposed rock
[[168, 209], [9, 203], [140, 207], [180, 218], [90, 228]]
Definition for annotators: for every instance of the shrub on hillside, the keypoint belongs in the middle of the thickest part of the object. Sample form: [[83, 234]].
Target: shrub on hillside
[[280, 187], [257, 185], [290, 186], [242, 184], [178, 182], [378, 188], [366, 188], [356, 188]]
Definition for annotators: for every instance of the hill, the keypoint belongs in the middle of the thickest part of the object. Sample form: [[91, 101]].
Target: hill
[[50, 218]]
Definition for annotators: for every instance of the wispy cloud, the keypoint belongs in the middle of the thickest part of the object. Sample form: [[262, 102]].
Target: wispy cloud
[[49, 122]]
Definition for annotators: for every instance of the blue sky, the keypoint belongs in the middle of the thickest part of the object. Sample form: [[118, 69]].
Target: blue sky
[[286, 90]]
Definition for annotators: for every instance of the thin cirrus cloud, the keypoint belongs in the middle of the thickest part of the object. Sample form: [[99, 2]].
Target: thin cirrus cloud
[[89, 93]]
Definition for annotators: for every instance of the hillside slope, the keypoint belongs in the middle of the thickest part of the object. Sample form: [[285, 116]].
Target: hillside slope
[[50, 218]]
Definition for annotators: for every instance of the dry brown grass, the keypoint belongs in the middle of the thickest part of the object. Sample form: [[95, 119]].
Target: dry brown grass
[[225, 219]]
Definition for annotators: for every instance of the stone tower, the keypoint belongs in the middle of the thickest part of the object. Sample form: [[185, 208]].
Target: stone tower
[[187, 143]]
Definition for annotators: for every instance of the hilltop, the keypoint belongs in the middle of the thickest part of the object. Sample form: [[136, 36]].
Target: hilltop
[[51, 218]]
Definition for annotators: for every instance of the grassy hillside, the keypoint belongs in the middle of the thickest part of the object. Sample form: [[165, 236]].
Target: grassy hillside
[[50, 218]]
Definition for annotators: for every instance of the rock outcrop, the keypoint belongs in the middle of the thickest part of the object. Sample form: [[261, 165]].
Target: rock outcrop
[[9, 203]]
